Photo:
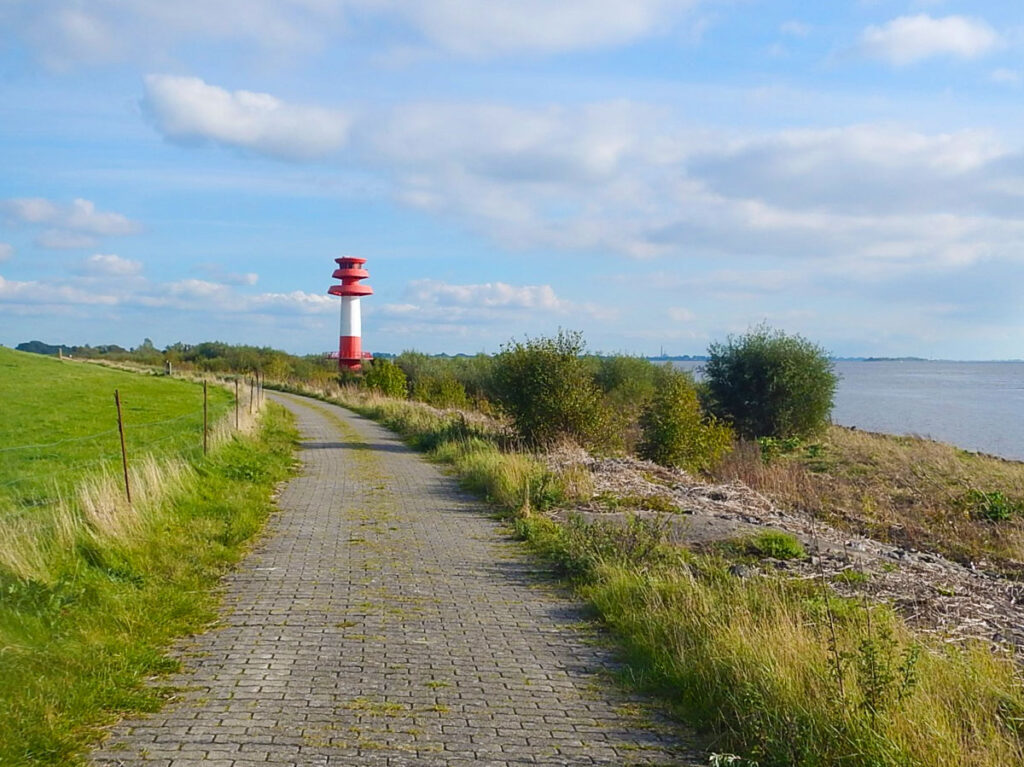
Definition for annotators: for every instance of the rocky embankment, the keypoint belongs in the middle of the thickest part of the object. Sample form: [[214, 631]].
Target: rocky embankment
[[934, 594]]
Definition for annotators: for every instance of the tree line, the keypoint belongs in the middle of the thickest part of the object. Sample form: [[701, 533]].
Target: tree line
[[763, 384]]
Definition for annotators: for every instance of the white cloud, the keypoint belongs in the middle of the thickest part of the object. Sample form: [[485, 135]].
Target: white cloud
[[186, 109], [217, 298], [437, 302], [623, 178], [67, 33], [680, 314], [909, 39], [43, 297], [201, 290], [507, 26], [196, 297], [218, 274], [75, 225], [490, 295], [631, 179], [110, 265], [542, 145], [59, 239], [82, 216], [296, 301], [620, 178], [856, 169], [1005, 76], [6, 251], [795, 28], [32, 210]]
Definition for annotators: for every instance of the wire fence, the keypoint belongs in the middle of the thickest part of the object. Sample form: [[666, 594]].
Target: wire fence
[[41, 473]]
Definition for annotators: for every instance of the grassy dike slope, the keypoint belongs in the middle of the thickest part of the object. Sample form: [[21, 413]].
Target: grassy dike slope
[[784, 672], [90, 602], [59, 422]]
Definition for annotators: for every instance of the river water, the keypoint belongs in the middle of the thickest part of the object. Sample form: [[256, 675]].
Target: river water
[[974, 405]]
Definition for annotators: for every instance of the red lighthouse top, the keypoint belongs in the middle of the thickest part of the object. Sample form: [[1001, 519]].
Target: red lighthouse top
[[350, 271]]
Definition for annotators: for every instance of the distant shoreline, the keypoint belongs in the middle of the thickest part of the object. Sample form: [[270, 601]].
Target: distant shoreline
[[700, 358]]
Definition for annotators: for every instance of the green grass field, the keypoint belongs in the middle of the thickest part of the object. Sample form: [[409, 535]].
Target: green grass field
[[59, 423], [93, 590]]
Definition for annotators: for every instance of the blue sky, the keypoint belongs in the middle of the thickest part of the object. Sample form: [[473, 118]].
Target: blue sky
[[655, 173]]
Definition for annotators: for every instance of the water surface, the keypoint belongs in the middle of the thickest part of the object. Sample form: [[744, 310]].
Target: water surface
[[974, 405]]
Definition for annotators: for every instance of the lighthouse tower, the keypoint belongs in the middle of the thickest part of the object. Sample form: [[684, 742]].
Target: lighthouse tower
[[350, 346]]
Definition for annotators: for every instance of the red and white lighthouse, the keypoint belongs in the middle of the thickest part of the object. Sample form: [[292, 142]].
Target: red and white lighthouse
[[350, 345]]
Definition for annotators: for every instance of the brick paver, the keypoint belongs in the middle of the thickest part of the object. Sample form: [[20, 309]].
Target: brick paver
[[386, 619]]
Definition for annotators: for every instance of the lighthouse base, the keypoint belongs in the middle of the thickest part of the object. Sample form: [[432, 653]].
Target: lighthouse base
[[350, 353]]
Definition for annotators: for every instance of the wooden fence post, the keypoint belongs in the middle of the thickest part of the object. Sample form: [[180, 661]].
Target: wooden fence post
[[236, 403], [205, 428], [124, 452], [252, 392]]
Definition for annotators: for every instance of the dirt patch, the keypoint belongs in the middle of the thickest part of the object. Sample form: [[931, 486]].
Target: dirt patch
[[934, 594]]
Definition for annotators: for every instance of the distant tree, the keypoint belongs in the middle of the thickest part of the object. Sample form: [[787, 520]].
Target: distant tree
[[769, 384], [147, 353], [37, 347]]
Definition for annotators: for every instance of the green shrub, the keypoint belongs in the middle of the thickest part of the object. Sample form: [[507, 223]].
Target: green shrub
[[658, 502], [512, 481], [416, 365], [851, 577], [773, 447], [676, 432], [548, 392], [769, 384], [440, 391], [472, 374], [994, 506], [386, 377], [580, 548], [775, 544]]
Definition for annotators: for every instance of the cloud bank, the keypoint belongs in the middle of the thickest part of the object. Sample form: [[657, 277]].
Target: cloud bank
[[77, 225], [65, 34], [634, 179], [910, 39]]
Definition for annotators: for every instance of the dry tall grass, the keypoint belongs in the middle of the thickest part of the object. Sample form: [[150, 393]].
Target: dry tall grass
[[37, 542], [754, 662], [905, 490]]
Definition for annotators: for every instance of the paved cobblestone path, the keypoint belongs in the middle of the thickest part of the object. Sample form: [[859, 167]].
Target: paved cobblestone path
[[385, 618]]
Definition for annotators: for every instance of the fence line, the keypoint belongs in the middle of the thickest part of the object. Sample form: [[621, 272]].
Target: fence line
[[52, 483], [58, 442]]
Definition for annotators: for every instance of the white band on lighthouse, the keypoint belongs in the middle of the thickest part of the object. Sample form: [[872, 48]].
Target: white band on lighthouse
[[351, 322]]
